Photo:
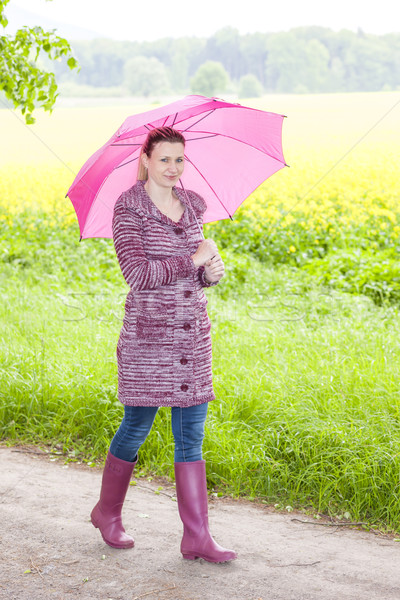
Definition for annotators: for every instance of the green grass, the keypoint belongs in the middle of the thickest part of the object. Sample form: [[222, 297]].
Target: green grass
[[307, 408], [305, 342]]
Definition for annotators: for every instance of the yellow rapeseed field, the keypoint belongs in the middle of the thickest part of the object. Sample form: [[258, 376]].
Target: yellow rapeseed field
[[343, 151]]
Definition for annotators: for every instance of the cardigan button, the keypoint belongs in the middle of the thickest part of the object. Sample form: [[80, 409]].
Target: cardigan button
[[184, 387], [187, 326], [187, 293], [183, 361], [178, 230]]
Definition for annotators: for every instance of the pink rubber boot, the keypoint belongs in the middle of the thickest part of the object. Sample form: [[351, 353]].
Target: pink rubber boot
[[191, 492], [106, 515]]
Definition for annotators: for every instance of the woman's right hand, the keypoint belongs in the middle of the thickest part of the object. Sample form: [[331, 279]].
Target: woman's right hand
[[205, 251]]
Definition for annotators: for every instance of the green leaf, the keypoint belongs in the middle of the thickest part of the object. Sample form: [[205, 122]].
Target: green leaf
[[72, 62], [29, 120], [25, 84]]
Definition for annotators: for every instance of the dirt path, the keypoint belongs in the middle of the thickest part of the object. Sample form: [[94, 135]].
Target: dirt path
[[44, 524]]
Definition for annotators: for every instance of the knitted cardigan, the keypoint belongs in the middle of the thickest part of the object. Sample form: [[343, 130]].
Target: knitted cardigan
[[164, 351]]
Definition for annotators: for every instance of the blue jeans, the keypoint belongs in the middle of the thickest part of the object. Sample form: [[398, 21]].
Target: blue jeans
[[187, 428]]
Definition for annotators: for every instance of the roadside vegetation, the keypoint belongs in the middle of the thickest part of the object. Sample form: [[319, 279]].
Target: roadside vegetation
[[305, 322]]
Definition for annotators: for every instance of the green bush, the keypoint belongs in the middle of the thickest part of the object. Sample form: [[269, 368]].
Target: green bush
[[250, 87], [356, 271]]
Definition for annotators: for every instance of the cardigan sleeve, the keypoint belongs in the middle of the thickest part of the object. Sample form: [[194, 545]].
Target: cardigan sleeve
[[202, 278], [139, 272]]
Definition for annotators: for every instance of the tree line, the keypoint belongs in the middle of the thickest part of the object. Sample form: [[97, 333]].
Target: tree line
[[302, 60]]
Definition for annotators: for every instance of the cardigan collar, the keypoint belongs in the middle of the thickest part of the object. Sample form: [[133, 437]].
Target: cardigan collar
[[141, 201]]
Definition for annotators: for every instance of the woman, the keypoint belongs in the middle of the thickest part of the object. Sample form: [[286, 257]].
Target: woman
[[164, 349]]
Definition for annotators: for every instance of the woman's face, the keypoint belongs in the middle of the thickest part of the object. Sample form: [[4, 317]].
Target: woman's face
[[166, 163]]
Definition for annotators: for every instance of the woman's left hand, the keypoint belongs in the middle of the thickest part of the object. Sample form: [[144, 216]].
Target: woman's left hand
[[214, 269]]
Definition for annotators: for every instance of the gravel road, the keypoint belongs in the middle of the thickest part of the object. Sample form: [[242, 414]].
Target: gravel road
[[50, 550]]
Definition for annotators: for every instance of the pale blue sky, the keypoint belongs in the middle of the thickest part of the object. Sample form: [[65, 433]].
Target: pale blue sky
[[127, 19]]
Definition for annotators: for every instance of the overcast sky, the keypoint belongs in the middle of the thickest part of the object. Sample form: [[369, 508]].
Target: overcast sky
[[149, 20]]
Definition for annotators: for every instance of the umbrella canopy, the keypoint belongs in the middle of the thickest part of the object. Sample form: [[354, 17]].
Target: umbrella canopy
[[230, 150]]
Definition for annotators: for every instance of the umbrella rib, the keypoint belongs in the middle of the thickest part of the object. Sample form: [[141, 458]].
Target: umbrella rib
[[210, 136], [100, 188], [202, 118], [203, 138], [191, 140], [210, 186], [240, 142], [126, 163]]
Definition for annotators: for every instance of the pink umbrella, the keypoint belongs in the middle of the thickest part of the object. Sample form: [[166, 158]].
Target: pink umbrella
[[230, 150]]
